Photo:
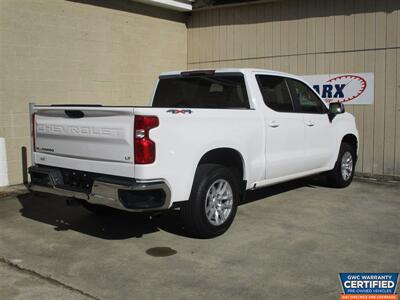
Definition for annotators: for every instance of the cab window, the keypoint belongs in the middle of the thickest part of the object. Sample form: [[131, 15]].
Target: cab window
[[275, 93], [305, 98], [224, 90]]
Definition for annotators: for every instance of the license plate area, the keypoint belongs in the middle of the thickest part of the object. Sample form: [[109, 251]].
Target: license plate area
[[77, 180]]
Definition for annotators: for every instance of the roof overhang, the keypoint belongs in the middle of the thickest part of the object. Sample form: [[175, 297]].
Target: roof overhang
[[178, 5]]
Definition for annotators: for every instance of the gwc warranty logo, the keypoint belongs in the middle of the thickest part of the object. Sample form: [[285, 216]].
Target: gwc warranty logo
[[367, 286]]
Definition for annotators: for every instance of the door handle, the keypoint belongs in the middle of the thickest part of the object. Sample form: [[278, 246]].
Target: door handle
[[310, 123], [273, 124]]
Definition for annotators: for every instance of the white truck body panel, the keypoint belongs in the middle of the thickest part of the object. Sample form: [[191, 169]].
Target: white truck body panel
[[100, 142], [209, 129], [104, 134]]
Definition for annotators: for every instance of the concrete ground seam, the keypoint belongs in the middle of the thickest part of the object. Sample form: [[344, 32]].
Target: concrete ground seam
[[46, 278]]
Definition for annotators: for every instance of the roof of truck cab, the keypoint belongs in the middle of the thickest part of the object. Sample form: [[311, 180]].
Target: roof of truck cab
[[232, 70]]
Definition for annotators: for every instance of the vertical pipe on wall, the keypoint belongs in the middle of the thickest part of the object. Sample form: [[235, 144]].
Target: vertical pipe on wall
[[3, 163]]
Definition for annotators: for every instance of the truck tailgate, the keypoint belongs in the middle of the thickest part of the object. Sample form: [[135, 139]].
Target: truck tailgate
[[84, 132]]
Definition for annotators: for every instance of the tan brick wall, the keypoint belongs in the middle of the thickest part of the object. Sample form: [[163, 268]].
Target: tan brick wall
[[69, 52]]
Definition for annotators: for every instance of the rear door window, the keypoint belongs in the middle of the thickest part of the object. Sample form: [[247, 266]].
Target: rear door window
[[202, 91], [275, 93]]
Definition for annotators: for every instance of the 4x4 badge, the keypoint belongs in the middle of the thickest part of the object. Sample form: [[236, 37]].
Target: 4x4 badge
[[179, 111]]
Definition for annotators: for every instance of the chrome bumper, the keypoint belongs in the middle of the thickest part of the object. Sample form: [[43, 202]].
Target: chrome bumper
[[104, 191]]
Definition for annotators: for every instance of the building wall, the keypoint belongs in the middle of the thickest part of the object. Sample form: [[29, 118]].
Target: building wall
[[107, 52], [316, 37]]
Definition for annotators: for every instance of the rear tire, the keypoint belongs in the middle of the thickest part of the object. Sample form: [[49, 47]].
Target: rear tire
[[212, 203], [342, 174]]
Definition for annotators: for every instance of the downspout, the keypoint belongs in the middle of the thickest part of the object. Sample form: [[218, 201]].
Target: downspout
[[3, 163]]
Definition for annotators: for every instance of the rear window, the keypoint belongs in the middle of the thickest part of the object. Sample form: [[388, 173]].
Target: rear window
[[202, 91]]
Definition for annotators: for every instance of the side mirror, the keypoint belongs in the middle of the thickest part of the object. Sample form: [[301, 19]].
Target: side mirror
[[335, 108]]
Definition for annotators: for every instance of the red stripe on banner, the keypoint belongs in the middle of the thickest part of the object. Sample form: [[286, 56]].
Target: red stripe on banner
[[369, 297]]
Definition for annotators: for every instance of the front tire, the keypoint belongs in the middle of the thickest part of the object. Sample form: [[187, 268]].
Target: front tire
[[343, 172], [213, 201]]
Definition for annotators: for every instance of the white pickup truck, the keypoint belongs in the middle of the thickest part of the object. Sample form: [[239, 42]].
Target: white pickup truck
[[207, 137]]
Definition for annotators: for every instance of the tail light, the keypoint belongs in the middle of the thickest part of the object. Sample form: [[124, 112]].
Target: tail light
[[33, 132], [145, 148]]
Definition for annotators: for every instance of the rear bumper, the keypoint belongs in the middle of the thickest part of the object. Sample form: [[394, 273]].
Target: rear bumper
[[117, 192]]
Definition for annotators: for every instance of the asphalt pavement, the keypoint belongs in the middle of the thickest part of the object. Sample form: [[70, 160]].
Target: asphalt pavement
[[289, 241]]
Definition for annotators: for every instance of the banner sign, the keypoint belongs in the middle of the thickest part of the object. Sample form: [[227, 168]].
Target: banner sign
[[365, 286], [355, 88]]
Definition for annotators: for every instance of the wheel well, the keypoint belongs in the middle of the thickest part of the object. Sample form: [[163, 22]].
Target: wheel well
[[351, 140], [227, 157]]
